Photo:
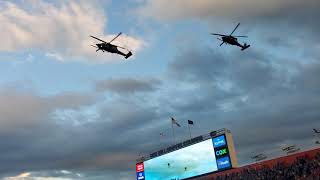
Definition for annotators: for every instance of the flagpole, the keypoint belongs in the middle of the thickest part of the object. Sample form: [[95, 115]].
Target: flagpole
[[189, 130], [160, 139], [174, 139]]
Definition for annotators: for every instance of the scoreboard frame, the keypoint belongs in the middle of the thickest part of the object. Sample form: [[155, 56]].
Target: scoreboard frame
[[222, 144]]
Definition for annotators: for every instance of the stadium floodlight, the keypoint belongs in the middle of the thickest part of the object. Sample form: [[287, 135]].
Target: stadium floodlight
[[259, 157], [290, 149]]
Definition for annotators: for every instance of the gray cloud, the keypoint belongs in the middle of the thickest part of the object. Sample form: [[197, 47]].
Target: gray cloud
[[24, 109], [30, 138], [55, 143], [247, 70], [128, 85], [185, 9]]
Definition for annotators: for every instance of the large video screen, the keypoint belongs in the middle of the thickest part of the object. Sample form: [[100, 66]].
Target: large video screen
[[194, 160]]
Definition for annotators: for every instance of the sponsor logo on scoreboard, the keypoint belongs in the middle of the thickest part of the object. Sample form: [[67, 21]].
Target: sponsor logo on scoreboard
[[223, 163], [140, 176], [139, 167], [219, 141], [221, 152]]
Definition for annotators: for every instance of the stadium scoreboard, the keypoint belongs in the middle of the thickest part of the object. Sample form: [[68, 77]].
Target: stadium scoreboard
[[199, 156]]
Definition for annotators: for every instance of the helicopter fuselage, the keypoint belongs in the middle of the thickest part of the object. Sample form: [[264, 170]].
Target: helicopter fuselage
[[109, 48], [234, 41], [231, 40]]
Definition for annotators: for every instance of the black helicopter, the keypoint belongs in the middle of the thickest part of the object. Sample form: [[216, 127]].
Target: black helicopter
[[232, 40], [111, 48]]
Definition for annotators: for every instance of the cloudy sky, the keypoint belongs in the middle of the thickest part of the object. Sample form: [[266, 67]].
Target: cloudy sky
[[68, 112]]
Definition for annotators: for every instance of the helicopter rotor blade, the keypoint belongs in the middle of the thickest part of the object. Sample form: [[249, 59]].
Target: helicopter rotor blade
[[234, 29], [115, 37], [98, 39], [215, 34], [241, 36]]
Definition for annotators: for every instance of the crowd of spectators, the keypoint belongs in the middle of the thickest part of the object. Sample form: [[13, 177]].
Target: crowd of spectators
[[303, 168]]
